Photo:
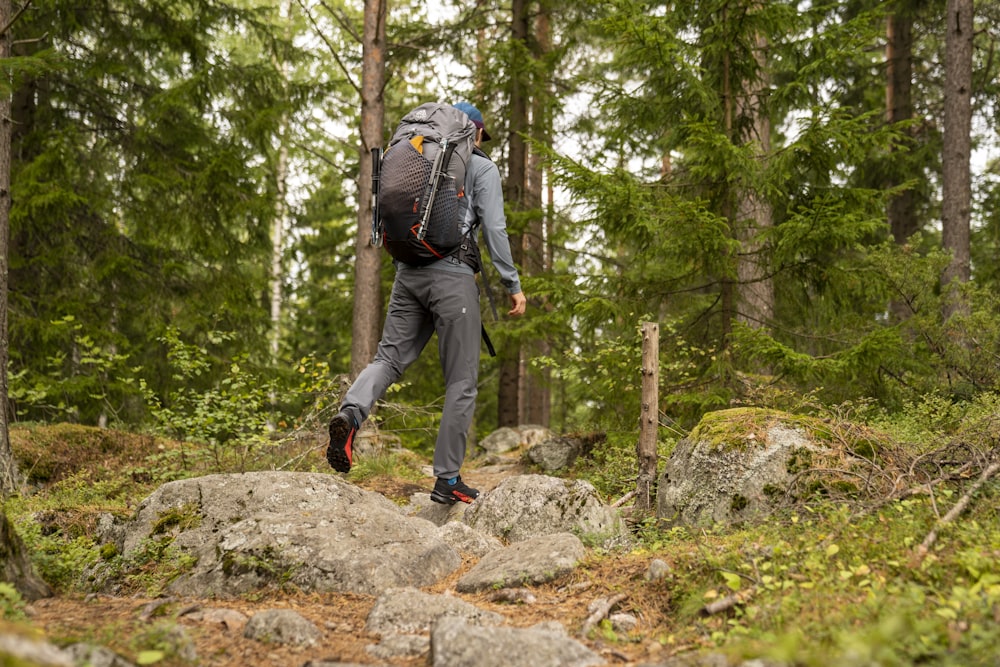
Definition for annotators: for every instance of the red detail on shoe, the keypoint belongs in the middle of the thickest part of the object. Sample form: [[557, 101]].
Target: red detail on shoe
[[349, 446], [340, 451], [461, 496]]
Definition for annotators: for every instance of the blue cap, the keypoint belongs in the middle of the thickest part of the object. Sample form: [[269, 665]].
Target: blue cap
[[474, 115]]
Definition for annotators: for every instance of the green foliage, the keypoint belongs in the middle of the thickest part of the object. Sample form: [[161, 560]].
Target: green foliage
[[231, 418], [611, 466], [12, 605], [152, 565], [81, 375], [830, 585], [60, 558], [392, 465]]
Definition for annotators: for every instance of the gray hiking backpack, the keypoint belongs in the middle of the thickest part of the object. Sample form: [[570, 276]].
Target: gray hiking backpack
[[419, 185]]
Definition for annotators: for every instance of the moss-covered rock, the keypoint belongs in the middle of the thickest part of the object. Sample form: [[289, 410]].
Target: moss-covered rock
[[742, 464]]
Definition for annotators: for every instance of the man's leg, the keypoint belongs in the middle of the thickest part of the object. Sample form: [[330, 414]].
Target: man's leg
[[408, 326], [459, 328]]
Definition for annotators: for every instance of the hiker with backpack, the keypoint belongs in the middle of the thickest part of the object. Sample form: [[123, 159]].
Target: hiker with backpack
[[433, 189]]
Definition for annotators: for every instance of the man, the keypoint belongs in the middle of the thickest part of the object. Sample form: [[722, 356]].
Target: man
[[441, 297]]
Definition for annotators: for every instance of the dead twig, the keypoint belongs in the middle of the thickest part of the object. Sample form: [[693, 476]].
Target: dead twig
[[954, 512], [728, 602], [601, 608], [624, 499]]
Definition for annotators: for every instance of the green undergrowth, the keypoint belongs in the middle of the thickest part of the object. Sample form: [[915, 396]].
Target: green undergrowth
[[829, 585]]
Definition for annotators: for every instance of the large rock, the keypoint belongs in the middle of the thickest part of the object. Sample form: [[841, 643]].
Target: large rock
[[555, 453], [16, 649], [527, 506], [282, 626], [410, 611], [456, 643], [506, 439], [316, 531], [538, 560], [740, 464]]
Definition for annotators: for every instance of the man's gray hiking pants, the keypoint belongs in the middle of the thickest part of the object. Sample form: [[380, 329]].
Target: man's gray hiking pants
[[425, 301]]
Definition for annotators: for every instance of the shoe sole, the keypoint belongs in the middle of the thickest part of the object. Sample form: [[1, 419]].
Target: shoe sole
[[338, 455], [443, 499], [451, 498]]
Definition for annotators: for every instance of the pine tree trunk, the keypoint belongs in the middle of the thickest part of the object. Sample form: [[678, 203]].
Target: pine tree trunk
[[280, 222], [536, 395], [368, 259], [899, 107], [8, 466], [508, 397], [15, 562], [754, 215], [956, 191]]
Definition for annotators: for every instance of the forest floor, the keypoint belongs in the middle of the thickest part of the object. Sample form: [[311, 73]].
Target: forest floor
[[825, 583], [138, 626], [125, 625]]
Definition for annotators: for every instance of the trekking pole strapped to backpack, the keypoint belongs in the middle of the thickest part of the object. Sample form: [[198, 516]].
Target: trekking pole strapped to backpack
[[376, 177], [441, 161]]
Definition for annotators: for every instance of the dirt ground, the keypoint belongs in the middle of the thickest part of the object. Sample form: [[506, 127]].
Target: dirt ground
[[120, 623]]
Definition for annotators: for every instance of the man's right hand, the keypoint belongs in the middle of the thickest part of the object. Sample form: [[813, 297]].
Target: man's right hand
[[518, 304]]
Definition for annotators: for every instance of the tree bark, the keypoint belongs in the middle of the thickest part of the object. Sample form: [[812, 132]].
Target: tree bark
[[899, 108], [754, 214], [508, 397], [368, 259], [15, 563], [956, 191], [649, 419], [280, 222], [536, 406], [8, 466]]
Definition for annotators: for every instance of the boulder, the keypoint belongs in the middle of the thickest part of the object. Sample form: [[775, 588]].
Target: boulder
[[316, 531], [741, 464], [535, 561], [456, 643], [527, 506]]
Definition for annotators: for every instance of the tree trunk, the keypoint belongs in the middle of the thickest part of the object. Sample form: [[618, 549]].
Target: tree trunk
[[899, 107], [956, 190], [280, 222], [754, 215], [536, 395], [508, 397], [8, 467], [368, 259], [649, 419], [15, 564]]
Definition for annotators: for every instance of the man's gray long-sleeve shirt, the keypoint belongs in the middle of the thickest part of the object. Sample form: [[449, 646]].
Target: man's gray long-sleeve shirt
[[484, 194]]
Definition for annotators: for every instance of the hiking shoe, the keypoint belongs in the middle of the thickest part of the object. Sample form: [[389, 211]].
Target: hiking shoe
[[448, 492], [340, 450]]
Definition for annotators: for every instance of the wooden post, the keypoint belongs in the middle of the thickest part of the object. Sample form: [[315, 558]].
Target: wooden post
[[649, 419]]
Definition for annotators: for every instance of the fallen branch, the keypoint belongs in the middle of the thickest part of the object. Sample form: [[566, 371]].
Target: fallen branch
[[602, 607], [624, 499], [954, 512], [728, 602]]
